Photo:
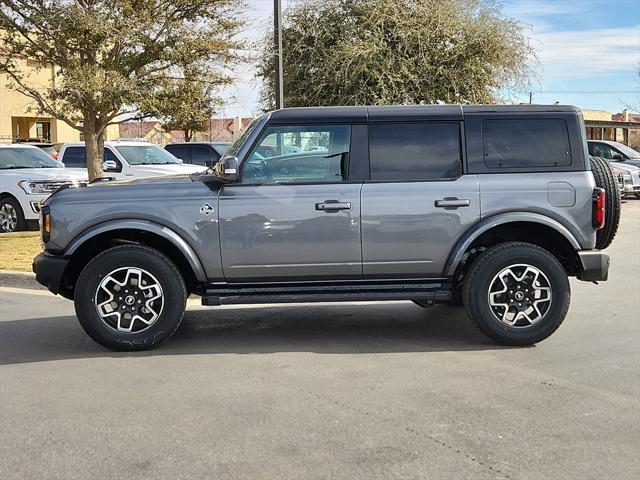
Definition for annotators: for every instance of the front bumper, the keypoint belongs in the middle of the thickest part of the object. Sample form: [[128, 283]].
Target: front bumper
[[49, 270], [594, 266]]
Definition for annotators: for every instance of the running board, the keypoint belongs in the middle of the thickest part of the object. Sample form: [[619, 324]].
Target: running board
[[229, 294]]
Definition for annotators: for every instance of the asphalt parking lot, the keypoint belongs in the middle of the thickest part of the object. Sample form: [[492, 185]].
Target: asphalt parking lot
[[337, 391]]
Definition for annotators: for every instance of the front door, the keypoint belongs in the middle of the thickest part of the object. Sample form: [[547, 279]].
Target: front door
[[417, 203], [294, 214]]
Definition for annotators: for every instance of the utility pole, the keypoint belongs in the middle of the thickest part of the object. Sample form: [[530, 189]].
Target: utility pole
[[277, 37], [530, 98]]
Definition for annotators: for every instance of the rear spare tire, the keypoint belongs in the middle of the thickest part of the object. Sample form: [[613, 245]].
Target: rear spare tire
[[606, 180]]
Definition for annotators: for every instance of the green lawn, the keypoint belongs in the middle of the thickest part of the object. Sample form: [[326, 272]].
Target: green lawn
[[18, 249]]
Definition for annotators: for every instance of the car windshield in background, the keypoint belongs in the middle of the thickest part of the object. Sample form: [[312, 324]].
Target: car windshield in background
[[25, 158], [146, 155], [628, 151]]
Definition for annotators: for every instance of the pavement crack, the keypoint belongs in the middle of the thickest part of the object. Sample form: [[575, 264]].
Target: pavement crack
[[387, 420]]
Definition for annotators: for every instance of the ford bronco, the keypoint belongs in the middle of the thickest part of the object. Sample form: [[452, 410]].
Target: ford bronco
[[490, 207]]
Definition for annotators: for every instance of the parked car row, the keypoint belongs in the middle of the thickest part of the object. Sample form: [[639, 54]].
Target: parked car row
[[625, 162], [31, 171]]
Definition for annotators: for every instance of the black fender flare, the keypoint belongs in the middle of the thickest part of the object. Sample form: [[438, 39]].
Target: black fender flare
[[147, 226], [457, 253]]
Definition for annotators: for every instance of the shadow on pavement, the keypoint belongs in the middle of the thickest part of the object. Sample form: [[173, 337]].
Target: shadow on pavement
[[333, 329]]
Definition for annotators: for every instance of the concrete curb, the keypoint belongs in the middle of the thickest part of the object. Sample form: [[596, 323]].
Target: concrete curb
[[11, 278]]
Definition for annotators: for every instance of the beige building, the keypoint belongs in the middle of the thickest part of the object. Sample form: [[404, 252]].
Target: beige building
[[621, 127], [19, 117]]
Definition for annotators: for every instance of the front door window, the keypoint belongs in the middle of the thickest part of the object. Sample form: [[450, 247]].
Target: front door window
[[299, 154]]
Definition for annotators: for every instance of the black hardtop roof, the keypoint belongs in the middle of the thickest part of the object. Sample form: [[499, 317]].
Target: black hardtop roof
[[381, 113]]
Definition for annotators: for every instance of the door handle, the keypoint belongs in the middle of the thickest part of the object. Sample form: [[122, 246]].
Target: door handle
[[453, 202], [333, 206]]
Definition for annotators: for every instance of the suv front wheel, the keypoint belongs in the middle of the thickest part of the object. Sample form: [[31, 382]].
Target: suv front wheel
[[516, 293], [130, 297]]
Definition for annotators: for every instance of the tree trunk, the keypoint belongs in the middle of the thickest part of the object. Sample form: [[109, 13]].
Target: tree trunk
[[187, 135], [94, 143]]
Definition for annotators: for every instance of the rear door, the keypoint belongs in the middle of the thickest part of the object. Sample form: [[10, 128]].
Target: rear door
[[295, 214], [417, 202]]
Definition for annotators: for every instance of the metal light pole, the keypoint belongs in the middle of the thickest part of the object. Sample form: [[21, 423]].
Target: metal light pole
[[277, 37]]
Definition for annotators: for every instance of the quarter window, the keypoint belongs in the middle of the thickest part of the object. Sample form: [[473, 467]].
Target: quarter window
[[415, 151], [529, 143], [299, 154]]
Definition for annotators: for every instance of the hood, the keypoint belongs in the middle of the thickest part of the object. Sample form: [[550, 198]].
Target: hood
[[144, 180], [50, 174], [155, 170], [624, 166]]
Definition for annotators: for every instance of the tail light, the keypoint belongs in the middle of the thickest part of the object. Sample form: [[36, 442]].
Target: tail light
[[599, 211]]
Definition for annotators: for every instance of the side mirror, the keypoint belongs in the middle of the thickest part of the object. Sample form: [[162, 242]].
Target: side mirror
[[617, 156], [109, 166], [179, 160], [227, 169]]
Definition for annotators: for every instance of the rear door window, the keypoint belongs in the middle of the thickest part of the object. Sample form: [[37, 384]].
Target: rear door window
[[415, 151], [74, 157], [525, 143], [180, 151], [203, 155]]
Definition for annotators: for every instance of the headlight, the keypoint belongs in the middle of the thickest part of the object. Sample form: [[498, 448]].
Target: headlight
[[626, 177], [35, 188]]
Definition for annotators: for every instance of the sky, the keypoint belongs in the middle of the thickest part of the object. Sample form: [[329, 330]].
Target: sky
[[588, 53]]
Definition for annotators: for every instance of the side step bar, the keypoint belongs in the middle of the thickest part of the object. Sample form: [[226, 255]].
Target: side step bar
[[231, 294]]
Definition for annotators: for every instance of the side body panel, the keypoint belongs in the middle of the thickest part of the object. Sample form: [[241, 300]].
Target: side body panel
[[405, 235], [565, 197], [174, 203], [272, 232]]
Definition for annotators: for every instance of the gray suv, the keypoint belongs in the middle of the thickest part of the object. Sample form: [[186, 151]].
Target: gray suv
[[490, 207]]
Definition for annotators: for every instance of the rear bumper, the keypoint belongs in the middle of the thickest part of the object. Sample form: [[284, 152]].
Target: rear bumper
[[49, 270], [594, 266]]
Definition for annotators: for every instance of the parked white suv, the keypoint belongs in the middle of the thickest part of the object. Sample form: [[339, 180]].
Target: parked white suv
[[126, 159], [28, 176]]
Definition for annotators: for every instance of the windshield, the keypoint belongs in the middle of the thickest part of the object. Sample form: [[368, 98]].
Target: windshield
[[146, 155], [16, 157], [628, 151], [233, 149]]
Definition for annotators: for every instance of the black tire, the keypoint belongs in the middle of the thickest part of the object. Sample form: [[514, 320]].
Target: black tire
[[158, 270], [10, 204], [482, 275], [606, 180]]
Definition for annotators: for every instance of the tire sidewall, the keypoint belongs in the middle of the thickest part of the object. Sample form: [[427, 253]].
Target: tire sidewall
[[173, 288], [481, 282], [21, 223]]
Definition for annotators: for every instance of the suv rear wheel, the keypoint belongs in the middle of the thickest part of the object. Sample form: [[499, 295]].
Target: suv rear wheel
[[130, 297], [516, 293]]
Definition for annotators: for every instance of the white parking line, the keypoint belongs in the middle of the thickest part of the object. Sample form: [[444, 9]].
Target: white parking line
[[195, 301]]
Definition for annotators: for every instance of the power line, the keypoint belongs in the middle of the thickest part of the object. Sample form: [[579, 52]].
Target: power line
[[590, 92]]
